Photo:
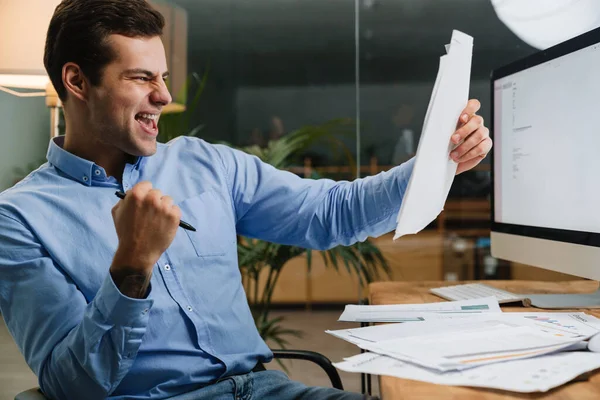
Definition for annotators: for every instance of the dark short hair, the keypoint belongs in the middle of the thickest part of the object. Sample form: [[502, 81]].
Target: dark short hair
[[79, 31]]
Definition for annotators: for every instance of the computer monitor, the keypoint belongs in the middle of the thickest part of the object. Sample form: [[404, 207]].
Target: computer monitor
[[546, 163]]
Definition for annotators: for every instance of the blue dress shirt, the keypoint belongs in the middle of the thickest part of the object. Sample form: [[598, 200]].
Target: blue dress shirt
[[85, 340]]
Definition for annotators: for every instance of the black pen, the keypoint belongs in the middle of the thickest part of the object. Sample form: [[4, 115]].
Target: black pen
[[182, 223]]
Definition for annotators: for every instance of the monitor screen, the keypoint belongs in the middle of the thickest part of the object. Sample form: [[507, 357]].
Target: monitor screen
[[546, 158], [547, 144]]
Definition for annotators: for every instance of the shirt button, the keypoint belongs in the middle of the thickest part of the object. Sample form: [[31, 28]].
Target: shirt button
[[167, 267], [189, 308]]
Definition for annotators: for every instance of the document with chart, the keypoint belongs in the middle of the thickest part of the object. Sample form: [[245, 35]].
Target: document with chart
[[517, 351], [455, 351], [434, 170]]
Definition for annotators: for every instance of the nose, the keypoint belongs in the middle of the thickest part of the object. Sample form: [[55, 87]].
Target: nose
[[161, 96]]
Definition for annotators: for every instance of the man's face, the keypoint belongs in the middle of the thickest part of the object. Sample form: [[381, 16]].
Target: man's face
[[126, 105]]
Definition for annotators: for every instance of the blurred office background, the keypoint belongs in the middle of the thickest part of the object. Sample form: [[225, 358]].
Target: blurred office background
[[273, 67], [263, 69]]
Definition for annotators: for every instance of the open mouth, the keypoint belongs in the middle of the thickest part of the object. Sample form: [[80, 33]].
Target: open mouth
[[148, 122]]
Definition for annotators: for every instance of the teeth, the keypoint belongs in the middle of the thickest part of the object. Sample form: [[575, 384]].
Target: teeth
[[149, 116]]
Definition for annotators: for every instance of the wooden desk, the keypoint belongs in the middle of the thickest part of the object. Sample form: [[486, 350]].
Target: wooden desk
[[417, 292]]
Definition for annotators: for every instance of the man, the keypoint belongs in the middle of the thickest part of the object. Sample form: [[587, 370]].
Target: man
[[139, 308]]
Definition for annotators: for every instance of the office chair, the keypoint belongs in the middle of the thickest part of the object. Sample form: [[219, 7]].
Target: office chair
[[317, 358], [31, 394]]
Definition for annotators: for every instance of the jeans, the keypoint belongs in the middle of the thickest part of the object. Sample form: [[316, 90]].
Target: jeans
[[267, 385]]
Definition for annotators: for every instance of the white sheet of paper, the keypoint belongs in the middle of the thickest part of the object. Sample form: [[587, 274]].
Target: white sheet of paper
[[346, 334], [462, 350], [538, 374], [434, 170], [377, 333], [587, 319], [416, 312]]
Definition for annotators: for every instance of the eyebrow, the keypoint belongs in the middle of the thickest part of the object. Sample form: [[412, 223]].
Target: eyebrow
[[142, 71]]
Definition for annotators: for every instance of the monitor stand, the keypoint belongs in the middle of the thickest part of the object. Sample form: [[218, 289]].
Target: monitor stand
[[559, 301]]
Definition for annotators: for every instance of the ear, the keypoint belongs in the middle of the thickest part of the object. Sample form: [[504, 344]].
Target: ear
[[75, 81]]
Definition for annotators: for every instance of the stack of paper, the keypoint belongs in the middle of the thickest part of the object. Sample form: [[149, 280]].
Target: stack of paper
[[462, 343], [468, 349], [438, 350], [434, 171]]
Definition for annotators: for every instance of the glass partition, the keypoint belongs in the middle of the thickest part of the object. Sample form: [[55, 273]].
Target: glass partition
[[400, 45], [356, 76]]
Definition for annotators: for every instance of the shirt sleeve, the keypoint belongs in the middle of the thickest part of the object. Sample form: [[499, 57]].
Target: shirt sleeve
[[281, 207], [77, 350]]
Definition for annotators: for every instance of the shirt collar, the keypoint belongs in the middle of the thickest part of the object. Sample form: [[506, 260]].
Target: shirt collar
[[82, 170], [140, 162]]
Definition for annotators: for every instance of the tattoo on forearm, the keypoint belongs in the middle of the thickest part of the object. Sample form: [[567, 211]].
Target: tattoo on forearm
[[133, 285]]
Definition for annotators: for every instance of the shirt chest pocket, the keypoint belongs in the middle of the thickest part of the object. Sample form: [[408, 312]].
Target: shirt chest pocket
[[215, 232]]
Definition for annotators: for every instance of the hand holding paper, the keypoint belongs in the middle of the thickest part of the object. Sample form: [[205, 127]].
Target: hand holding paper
[[472, 139], [434, 168]]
